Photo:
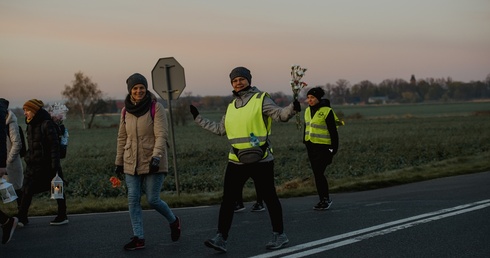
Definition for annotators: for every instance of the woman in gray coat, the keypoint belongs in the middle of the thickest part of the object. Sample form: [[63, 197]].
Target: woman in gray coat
[[15, 172], [142, 156]]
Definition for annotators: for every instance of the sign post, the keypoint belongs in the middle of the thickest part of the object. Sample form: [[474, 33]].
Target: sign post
[[169, 82]]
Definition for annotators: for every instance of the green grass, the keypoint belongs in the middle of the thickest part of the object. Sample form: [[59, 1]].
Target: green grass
[[388, 146]]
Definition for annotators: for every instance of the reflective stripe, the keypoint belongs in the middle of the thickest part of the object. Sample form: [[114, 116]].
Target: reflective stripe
[[240, 122], [316, 129]]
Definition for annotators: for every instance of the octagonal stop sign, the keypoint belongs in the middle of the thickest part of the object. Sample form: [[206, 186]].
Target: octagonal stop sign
[[168, 78]]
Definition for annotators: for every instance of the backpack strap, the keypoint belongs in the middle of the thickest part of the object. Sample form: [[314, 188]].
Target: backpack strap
[[152, 110]]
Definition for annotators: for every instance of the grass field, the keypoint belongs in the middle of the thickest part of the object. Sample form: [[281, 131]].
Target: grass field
[[379, 146]]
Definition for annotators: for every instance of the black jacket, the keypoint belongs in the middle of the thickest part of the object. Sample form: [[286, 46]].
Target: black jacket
[[43, 156], [331, 125]]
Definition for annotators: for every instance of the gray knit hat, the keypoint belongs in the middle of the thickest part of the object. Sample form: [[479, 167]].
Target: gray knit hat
[[136, 79], [241, 72]]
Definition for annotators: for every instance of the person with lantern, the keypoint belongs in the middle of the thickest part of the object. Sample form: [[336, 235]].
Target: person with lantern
[[15, 170], [42, 160], [8, 223]]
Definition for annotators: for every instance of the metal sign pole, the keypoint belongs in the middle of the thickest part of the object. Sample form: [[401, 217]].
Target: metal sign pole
[[174, 155]]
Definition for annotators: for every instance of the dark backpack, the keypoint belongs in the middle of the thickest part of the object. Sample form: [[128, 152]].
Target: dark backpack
[[23, 150], [60, 131]]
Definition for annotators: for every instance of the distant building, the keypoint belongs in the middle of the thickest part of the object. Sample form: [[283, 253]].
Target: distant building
[[377, 100]]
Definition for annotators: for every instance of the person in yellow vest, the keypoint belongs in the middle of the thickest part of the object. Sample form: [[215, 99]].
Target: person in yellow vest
[[321, 140], [247, 124]]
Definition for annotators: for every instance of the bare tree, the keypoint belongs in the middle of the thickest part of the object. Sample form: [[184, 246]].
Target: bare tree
[[83, 95]]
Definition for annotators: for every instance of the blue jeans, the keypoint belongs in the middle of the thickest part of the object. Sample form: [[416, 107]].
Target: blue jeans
[[151, 184]]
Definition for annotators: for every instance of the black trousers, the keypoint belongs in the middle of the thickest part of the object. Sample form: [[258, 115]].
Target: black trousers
[[320, 157], [262, 173], [3, 218]]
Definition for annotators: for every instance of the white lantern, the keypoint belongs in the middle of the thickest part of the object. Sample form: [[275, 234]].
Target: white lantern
[[7, 191], [57, 187]]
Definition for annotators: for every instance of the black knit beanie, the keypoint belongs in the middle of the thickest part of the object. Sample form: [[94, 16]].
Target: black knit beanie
[[317, 92], [241, 72], [4, 102], [136, 79]]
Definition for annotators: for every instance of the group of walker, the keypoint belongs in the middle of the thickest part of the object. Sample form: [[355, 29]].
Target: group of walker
[[141, 156]]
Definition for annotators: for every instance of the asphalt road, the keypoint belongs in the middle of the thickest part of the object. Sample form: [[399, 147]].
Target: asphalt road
[[447, 217]]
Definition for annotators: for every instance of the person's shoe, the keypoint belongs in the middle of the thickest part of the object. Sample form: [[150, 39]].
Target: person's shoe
[[323, 205], [278, 241], [239, 207], [258, 206], [22, 223], [175, 229], [217, 242], [8, 229], [59, 220], [135, 244]]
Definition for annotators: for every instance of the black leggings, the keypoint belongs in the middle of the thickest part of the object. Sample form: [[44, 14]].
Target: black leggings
[[3, 218], [320, 157], [262, 173]]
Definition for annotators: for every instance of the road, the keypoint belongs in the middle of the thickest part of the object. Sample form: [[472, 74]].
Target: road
[[446, 217]]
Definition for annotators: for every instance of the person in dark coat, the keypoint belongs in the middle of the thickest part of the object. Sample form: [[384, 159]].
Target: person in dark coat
[[42, 160], [8, 224]]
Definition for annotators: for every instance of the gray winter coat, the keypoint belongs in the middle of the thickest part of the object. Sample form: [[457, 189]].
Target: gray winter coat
[[14, 144]]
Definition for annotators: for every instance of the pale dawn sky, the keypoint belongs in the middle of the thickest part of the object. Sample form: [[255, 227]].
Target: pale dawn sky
[[44, 43]]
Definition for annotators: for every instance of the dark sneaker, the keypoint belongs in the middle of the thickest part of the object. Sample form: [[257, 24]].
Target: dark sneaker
[[8, 229], [323, 205], [278, 241], [135, 244], [217, 242], [59, 220], [258, 206], [239, 207], [175, 229]]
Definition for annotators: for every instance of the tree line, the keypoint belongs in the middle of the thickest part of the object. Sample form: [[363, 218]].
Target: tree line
[[85, 100]]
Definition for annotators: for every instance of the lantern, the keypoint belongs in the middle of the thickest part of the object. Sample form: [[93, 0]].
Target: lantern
[[7, 191], [57, 187]]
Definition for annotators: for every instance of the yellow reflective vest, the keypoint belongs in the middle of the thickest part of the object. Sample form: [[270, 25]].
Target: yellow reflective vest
[[240, 122], [316, 130]]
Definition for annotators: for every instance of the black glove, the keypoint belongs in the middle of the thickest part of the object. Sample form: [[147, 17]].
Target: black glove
[[296, 106], [119, 171], [154, 164], [194, 111]]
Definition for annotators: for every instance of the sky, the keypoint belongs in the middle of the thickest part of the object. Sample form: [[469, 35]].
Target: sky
[[44, 43]]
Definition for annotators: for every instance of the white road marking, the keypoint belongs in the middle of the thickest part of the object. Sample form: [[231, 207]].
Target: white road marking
[[303, 250]]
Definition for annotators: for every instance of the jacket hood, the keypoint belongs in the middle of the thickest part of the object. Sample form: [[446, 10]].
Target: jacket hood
[[11, 117]]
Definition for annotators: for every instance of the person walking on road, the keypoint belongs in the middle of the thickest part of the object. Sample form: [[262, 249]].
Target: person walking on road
[[247, 124], [321, 140], [15, 171], [8, 223], [42, 160], [141, 157]]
